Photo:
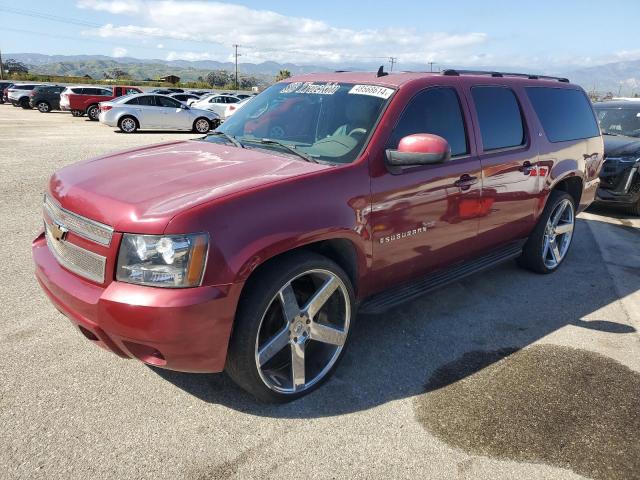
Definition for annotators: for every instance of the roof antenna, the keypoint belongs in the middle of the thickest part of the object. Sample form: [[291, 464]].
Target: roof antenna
[[381, 72]]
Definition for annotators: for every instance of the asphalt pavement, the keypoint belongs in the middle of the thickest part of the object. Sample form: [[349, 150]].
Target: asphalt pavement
[[504, 375]]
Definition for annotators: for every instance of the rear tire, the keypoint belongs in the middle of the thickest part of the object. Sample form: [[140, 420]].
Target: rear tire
[[76, 113], [634, 209], [24, 103], [93, 112], [283, 348], [201, 125], [43, 107], [548, 245], [128, 124]]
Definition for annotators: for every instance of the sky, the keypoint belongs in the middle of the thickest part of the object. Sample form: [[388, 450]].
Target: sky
[[546, 35]]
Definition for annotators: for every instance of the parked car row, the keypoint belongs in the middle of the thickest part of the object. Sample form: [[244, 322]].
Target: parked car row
[[127, 107]]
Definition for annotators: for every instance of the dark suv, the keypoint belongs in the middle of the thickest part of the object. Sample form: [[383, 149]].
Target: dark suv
[[46, 98], [4, 87], [252, 249], [620, 176]]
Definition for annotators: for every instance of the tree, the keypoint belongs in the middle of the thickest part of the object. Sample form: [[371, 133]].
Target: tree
[[218, 78], [115, 73], [14, 66], [283, 74], [247, 82]]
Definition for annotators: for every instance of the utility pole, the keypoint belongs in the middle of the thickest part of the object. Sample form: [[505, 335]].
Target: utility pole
[[235, 46], [1, 67], [392, 61], [431, 66]]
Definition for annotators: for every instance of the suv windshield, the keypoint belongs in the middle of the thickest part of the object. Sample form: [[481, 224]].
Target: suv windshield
[[619, 121], [325, 121]]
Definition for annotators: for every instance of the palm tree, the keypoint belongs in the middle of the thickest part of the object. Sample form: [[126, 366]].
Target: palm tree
[[282, 74]]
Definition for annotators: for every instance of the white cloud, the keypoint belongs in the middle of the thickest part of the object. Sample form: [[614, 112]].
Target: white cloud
[[119, 52], [268, 35], [160, 45], [111, 6]]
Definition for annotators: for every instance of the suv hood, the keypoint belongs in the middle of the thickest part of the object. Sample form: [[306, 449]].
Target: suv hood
[[141, 190], [621, 146]]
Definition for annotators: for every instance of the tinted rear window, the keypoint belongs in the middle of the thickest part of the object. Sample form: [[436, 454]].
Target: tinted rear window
[[565, 114], [499, 117]]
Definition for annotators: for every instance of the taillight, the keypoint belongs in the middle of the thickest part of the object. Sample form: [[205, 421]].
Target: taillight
[[104, 108], [32, 94], [231, 107]]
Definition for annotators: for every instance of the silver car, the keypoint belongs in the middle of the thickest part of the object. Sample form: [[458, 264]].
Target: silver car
[[152, 111]]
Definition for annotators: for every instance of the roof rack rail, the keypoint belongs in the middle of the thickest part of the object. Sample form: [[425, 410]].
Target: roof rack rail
[[455, 73]]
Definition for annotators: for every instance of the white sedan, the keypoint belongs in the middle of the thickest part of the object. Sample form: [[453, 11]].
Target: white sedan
[[215, 103], [234, 107], [153, 111]]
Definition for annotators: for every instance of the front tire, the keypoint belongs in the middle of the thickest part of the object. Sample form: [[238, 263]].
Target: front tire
[[291, 328], [201, 125], [43, 107], [93, 112], [549, 243], [128, 125]]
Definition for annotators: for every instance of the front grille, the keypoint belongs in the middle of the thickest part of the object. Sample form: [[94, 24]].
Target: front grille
[[80, 261], [89, 229]]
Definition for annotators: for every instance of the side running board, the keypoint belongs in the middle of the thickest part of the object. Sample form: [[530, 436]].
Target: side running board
[[387, 299]]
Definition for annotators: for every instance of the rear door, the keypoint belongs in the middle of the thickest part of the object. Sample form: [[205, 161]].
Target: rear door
[[424, 218], [508, 157], [146, 111]]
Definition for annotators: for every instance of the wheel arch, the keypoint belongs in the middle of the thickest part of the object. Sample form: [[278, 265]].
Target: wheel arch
[[127, 114], [340, 250]]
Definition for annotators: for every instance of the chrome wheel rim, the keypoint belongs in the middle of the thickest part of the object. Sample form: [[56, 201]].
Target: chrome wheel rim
[[202, 126], [128, 125], [558, 234], [303, 331], [93, 113], [43, 107]]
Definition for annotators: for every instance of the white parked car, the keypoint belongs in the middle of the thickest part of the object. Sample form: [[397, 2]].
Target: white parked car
[[234, 107], [18, 94], [215, 103], [152, 111]]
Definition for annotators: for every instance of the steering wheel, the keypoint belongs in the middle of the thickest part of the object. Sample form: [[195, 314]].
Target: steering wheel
[[361, 131]]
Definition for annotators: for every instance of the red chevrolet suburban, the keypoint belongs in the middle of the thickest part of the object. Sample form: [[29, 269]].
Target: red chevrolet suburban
[[82, 100], [251, 249]]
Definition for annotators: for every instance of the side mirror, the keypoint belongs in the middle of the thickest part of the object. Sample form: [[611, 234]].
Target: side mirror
[[183, 106], [418, 149]]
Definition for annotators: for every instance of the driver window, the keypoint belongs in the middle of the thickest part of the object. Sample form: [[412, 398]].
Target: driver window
[[437, 111]]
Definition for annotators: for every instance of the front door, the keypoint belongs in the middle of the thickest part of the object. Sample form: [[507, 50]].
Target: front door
[[426, 218]]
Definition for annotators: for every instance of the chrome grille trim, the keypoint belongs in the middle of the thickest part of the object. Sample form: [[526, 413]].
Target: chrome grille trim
[[80, 261], [85, 227]]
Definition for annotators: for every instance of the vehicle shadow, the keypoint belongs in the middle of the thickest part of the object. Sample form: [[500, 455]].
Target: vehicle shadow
[[392, 356]]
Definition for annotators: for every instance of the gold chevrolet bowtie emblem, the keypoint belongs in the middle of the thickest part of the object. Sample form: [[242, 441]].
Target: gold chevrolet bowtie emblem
[[58, 231]]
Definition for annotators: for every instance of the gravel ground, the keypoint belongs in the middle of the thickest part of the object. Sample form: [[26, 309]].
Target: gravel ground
[[501, 376]]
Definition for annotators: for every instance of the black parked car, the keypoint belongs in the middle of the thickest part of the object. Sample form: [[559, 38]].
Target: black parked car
[[3, 87], [620, 175], [46, 98]]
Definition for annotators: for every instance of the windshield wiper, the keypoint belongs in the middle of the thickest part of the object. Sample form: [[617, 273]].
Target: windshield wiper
[[268, 141], [228, 137]]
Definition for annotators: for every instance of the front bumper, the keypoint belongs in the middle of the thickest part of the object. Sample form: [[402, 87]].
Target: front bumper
[[178, 329], [619, 183]]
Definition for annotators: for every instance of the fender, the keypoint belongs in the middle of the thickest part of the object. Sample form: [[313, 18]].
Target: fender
[[249, 229]]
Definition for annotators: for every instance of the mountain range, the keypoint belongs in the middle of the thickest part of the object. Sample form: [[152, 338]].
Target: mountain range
[[619, 77]]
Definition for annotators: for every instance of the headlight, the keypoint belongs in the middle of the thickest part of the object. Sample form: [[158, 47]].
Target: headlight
[[172, 261]]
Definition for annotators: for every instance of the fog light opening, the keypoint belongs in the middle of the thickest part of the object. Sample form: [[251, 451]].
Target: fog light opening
[[146, 353], [88, 334]]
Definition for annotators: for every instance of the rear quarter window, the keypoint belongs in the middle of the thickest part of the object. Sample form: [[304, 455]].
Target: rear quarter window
[[565, 114]]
